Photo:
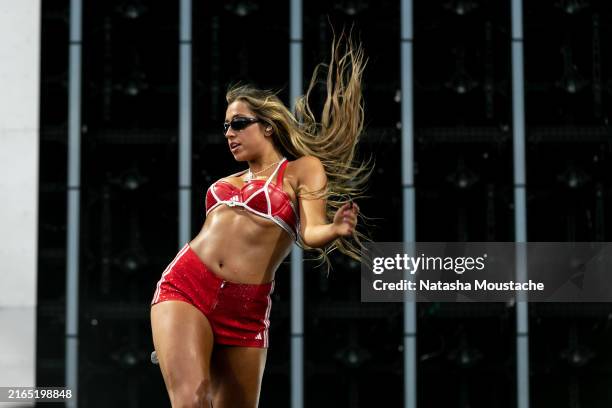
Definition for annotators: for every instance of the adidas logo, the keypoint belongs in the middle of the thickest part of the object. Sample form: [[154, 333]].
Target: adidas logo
[[258, 337]]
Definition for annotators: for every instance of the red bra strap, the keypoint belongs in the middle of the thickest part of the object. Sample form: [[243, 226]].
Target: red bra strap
[[281, 172]]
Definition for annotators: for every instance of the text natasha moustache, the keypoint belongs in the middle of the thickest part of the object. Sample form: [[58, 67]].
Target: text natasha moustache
[[457, 285]]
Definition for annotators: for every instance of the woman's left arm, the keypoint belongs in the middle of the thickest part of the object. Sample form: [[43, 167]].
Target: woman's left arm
[[315, 229]]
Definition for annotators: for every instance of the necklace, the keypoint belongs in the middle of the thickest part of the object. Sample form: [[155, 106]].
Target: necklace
[[252, 175]]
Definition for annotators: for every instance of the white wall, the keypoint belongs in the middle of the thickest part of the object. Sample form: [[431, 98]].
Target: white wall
[[19, 151]]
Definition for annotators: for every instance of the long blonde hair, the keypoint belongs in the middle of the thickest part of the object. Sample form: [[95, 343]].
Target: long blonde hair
[[333, 140]]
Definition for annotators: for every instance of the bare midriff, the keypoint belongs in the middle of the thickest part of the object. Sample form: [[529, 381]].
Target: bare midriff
[[240, 246]]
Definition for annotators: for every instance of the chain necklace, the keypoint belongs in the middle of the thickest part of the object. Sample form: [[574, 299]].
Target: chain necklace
[[252, 175]]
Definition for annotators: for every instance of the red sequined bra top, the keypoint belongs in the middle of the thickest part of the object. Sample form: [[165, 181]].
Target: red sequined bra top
[[260, 197]]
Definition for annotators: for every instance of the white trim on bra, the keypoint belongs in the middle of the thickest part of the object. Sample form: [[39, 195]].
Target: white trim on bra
[[235, 203]]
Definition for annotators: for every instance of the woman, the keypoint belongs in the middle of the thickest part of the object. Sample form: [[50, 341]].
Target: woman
[[210, 311]]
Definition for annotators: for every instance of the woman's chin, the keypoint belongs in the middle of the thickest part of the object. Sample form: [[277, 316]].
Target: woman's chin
[[239, 156]]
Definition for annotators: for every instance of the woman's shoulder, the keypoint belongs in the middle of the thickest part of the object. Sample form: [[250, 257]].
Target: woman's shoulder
[[306, 164], [307, 170]]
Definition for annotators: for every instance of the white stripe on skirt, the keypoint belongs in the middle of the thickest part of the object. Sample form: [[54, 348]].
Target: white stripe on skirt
[[167, 271], [267, 319]]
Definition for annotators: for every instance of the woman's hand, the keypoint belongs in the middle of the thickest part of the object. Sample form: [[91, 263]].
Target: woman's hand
[[345, 219]]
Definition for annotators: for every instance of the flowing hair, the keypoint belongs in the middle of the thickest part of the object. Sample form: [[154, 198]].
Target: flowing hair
[[333, 139]]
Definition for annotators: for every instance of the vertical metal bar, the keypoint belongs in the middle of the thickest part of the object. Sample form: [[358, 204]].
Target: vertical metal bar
[[297, 329], [520, 217], [297, 272], [184, 143], [407, 111], [73, 198]]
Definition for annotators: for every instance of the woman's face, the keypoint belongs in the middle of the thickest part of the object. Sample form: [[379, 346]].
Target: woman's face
[[248, 143]]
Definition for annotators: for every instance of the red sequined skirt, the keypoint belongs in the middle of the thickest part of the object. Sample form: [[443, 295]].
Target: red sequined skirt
[[239, 313]]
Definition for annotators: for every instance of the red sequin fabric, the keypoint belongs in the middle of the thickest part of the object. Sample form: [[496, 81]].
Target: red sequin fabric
[[239, 313]]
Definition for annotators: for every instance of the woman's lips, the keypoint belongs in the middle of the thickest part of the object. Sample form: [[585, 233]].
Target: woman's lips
[[234, 146]]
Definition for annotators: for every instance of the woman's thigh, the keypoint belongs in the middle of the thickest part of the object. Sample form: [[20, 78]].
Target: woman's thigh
[[236, 375], [183, 341]]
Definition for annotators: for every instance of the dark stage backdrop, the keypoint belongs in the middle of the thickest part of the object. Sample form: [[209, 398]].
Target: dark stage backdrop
[[463, 183]]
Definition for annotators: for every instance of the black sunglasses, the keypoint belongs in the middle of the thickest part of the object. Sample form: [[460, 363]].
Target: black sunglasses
[[239, 124]]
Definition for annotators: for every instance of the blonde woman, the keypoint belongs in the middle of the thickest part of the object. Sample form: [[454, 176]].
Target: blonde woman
[[210, 311]]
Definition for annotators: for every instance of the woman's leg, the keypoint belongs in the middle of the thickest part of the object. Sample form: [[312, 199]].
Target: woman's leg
[[183, 340], [237, 373]]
